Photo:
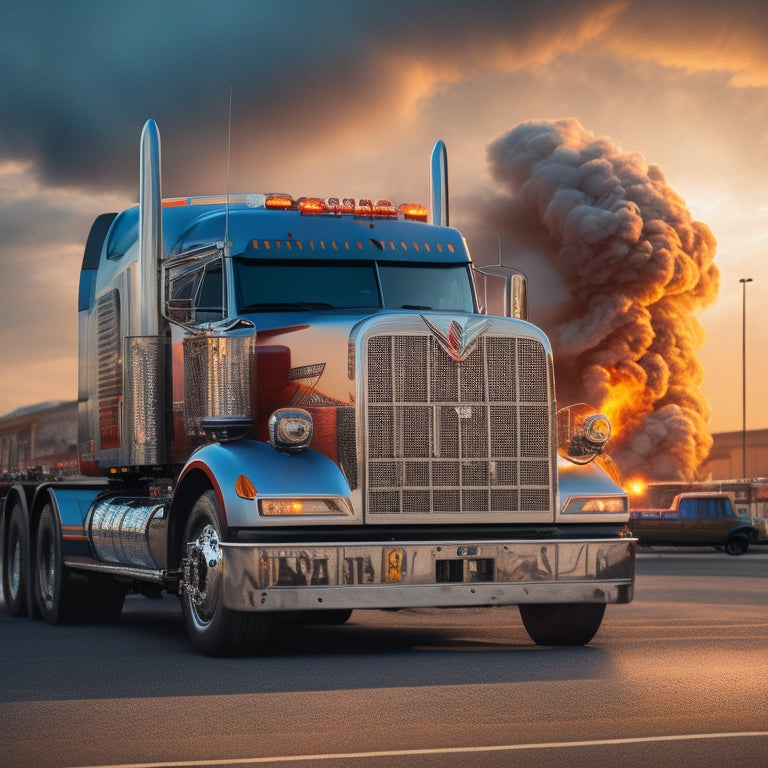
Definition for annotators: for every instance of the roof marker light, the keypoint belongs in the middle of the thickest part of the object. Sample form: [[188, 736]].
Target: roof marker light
[[364, 207], [413, 211], [384, 208], [279, 202], [312, 205]]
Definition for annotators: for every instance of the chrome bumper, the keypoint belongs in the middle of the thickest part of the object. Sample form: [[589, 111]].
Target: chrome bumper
[[426, 574]]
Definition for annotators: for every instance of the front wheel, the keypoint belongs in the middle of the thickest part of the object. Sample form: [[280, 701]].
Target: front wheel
[[737, 545], [562, 623], [214, 629]]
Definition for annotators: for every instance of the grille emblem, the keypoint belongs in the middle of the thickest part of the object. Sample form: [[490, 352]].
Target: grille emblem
[[457, 337]]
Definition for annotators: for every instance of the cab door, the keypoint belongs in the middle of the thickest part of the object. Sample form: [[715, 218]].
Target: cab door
[[706, 521]]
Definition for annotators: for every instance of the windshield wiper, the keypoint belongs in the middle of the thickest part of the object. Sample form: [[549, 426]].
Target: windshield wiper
[[278, 306]]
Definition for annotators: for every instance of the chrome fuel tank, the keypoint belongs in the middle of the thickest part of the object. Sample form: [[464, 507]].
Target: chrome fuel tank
[[129, 531]]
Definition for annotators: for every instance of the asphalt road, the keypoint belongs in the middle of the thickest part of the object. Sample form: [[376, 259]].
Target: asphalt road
[[678, 677]]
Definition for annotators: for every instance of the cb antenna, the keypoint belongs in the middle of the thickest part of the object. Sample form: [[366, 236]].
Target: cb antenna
[[229, 170]]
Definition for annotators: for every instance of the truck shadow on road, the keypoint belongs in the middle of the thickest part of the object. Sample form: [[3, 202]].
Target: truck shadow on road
[[148, 654]]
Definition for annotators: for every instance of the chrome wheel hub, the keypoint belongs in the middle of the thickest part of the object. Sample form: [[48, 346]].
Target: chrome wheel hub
[[202, 572]]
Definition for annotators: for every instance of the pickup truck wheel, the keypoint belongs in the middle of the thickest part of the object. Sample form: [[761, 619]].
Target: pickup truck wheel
[[57, 596], [214, 629], [562, 623], [737, 545], [16, 562]]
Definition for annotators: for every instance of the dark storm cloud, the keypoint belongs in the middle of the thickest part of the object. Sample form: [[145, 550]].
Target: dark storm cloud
[[79, 79]]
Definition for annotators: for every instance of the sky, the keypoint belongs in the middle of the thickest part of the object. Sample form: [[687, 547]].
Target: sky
[[665, 100]]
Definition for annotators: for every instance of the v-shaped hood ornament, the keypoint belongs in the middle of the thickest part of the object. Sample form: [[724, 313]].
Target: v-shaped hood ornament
[[458, 337]]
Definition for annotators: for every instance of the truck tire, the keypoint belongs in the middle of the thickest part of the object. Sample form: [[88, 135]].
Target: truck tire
[[55, 591], [737, 545], [214, 629], [562, 623], [16, 562]]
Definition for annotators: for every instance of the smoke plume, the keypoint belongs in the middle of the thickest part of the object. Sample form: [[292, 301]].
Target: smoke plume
[[628, 269]]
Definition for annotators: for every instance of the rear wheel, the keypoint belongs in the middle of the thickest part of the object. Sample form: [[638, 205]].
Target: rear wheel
[[55, 588], [562, 623], [16, 562], [214, 629]]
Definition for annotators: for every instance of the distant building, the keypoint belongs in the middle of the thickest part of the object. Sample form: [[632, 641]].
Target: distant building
[[39, 440], [726, 459]]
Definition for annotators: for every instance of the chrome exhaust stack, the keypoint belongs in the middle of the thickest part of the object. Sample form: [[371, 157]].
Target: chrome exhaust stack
[[150, 228], [146, 351], [438, 185]]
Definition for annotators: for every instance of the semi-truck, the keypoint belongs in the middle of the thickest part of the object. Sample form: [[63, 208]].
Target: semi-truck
[[698, 519], [295, 407]]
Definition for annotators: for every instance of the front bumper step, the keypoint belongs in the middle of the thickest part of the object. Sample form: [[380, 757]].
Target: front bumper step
[[424, 574]]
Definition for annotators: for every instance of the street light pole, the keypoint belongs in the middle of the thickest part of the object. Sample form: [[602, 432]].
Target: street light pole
[[744, 281]]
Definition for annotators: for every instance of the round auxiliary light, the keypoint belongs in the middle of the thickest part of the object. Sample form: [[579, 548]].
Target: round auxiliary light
[[290, 429], [597, 429], [582, 433]]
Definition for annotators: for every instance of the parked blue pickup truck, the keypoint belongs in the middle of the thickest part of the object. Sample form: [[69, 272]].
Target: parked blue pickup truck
[[698, 519]]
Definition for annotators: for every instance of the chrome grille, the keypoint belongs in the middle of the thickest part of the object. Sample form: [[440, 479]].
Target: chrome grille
[[446, 437]]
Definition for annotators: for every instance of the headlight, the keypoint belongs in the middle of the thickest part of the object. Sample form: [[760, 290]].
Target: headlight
[[582, 433], [290, 429], [303, 506], [596, 505]]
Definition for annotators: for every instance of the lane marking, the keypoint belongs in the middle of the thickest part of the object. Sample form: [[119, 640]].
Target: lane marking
[[438, 750]]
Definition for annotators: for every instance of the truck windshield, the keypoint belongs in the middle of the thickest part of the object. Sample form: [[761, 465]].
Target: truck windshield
[[269, 286]]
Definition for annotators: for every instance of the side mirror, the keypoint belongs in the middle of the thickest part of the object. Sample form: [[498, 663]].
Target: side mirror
[[515, 289]]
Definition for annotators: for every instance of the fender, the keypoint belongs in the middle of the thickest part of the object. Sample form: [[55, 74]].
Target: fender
[[746, 531], [71, 504], [272, 473], [25, 495], [588, 480]]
